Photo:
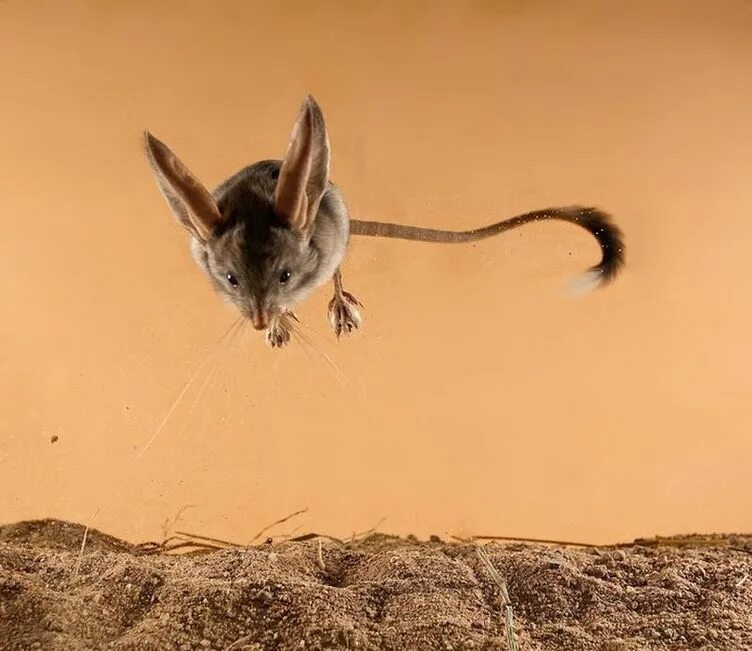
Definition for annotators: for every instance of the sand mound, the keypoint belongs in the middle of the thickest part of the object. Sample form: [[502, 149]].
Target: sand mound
[[380, 593]]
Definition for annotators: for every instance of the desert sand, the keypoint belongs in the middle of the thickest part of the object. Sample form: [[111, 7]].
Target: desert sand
[[377, 592], [623, 414]]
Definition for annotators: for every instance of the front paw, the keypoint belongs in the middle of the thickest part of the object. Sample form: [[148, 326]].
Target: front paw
[[277, 334], [344, 315]]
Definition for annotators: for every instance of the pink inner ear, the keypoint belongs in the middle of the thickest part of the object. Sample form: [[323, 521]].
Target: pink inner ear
[[306, 165], [202, 210], [290, 194]]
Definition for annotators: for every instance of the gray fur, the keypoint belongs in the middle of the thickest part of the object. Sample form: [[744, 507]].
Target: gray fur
[[255, 246], [596, 222], [270, 234]]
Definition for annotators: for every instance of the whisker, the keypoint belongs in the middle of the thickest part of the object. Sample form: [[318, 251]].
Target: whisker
[[132, 464], [240, 323], [304, 345], [187, 386], [291, 323], [214, 372], [211, 375], [342, 379]]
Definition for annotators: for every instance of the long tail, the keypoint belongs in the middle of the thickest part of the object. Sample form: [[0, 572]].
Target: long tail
[[598, 223]]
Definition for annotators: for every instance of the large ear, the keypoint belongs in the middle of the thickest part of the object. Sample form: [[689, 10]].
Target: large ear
[[191, 203], [304, 174]]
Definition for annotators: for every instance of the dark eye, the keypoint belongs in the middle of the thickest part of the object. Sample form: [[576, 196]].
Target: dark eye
[[232, 280], [284, 276]]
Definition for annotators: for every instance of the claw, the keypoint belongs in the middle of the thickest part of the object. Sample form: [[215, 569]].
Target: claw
[[344, 315], [277, 335]]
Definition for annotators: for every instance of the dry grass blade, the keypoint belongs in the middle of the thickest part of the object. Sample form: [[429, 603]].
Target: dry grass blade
[[313, 535], [169, 524], [364, 534], [285, 537], [274, 524], [691, 540], [240, 640], [538, 541], [77, 566], [199, 537], [502, 585], [146, 548], [182, 541], [320, 558], [187, 546]]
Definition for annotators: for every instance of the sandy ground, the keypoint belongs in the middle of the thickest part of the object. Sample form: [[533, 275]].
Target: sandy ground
[[441, 114], [377, 593]]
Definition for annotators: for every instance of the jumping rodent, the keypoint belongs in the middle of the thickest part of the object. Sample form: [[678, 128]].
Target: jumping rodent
[[277, 230]]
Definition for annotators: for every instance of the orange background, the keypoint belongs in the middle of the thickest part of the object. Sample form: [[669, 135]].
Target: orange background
[[478, 398]]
